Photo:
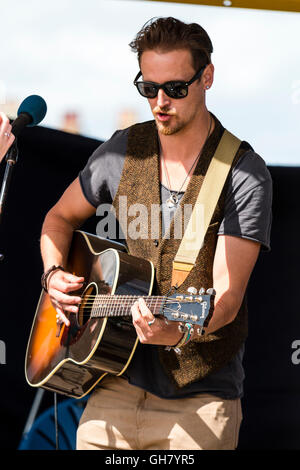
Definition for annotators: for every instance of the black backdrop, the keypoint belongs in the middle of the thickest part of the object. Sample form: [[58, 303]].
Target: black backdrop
[[48, 161]]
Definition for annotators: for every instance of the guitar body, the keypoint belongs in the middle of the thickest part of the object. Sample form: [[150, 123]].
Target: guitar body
[[72, 360]]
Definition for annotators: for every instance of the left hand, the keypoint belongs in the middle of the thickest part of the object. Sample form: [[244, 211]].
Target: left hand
[[159, 332]]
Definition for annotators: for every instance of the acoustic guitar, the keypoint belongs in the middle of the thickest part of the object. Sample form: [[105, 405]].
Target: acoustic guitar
[[101, 338]]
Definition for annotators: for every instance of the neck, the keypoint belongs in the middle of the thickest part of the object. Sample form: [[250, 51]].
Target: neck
[[120, 305], [188, 141]]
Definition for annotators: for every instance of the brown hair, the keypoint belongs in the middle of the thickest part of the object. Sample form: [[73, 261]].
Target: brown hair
[[167, 34]]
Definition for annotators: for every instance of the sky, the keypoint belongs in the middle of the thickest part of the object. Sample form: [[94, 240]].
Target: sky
[[76, 56]]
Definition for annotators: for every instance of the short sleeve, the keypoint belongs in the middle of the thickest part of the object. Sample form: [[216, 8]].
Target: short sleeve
[[248, 204], [100, 178]]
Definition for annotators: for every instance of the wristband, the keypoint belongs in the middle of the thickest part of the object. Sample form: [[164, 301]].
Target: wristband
[[46, 275], [188, 331]]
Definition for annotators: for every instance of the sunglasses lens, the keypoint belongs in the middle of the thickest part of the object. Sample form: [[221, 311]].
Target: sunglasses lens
[[173, 89], [147, 89], [176, 89]]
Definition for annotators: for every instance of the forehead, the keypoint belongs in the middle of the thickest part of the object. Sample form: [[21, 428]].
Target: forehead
[[161, 66]]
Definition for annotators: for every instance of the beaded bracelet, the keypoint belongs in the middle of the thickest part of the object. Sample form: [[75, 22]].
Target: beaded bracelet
[[46, 275], [188, 331]]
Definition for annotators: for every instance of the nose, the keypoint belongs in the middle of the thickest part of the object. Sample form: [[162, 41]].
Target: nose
[[163, 100]]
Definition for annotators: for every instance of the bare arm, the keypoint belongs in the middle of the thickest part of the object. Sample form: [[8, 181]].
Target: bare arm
[[67, 215], [234, 261]]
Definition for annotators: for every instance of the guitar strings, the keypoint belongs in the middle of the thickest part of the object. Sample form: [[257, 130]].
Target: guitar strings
[[97, 300], [119, 303], [103, 296], [111, 304], [126, 303], [102, 303]]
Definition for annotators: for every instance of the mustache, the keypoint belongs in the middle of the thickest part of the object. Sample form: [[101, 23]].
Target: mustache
[[159, 110]]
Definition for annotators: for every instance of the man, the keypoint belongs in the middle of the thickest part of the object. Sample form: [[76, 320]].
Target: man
[[168, 400]]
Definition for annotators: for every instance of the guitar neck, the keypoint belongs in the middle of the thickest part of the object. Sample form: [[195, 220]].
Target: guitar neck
[[120, 305]]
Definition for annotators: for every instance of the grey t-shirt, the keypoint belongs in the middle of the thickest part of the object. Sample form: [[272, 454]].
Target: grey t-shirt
[[247, 214]]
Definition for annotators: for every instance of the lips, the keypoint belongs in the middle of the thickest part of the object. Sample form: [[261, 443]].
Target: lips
[[163, 116]]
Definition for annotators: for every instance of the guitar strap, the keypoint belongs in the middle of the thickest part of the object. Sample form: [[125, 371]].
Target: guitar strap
[[208, 196]]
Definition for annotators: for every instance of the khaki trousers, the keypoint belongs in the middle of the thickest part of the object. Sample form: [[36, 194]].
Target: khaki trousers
[[119, 416]]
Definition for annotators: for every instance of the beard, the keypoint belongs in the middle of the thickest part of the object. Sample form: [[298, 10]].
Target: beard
[[176, 125], [166, 129]]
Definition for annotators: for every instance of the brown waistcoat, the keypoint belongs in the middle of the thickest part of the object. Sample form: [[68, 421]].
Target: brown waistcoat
[[140, 183]]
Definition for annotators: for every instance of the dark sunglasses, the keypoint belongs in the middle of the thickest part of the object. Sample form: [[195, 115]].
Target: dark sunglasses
[[175, 89]]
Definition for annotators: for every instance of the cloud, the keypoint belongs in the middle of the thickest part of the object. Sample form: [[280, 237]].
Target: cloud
[[76, 55]]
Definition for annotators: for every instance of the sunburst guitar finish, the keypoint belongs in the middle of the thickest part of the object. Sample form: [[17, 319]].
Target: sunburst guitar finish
[[101, 339]]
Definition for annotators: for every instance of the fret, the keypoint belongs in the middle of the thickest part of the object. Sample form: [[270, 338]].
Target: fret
[[111, 307], [156, 306], [123, 308], [106, 310]]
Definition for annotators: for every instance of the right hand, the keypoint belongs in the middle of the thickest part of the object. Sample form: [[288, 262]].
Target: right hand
[[59, 284], [6, 137]]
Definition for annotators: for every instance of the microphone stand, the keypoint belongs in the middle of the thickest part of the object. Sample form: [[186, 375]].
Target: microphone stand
[[11, 159]]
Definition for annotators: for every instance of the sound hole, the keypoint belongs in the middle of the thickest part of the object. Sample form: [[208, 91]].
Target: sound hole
[[87, 302]]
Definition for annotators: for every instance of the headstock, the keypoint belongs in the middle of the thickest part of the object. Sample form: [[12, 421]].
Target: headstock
[[193, 308]]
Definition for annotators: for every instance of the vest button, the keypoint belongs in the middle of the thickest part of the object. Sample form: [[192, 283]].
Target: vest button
[[155, 242]]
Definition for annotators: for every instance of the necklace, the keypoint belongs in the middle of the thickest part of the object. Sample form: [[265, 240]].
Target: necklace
[[173, 200]]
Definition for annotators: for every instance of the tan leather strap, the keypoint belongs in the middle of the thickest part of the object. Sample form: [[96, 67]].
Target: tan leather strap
[[208, 197]]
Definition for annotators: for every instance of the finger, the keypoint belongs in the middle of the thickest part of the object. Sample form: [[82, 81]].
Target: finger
[[68, 277], [140, 314], [140, 322], [11, 135], [70, 308], [6, 136], [66, 287], [10, 139], [3, 120], [69, 282], [64, 299], [6, 128], [64, 282], [145, 312], [65, 307], [136, 315], [61, 317]]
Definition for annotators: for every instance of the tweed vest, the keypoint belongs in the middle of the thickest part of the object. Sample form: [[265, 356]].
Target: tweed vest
[[140, 183]]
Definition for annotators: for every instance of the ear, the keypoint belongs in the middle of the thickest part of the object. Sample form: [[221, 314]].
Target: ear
[[208, 77]]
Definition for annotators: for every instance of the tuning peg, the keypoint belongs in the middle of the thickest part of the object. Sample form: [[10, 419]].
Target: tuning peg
[[175, 315], [211, 291], [192, 290], [201, 291]]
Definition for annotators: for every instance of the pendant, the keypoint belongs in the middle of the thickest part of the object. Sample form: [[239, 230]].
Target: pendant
[[172, 201]]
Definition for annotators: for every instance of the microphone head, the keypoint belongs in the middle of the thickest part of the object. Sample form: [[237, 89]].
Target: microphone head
[[36, 107]]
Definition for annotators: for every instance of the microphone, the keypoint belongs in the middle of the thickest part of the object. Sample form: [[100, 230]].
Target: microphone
[[30, 113]]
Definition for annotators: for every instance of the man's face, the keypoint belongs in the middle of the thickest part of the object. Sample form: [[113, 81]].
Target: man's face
[[172, 115]]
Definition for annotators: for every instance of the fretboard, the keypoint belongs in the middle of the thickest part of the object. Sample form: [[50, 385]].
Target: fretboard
[[120, 305]]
